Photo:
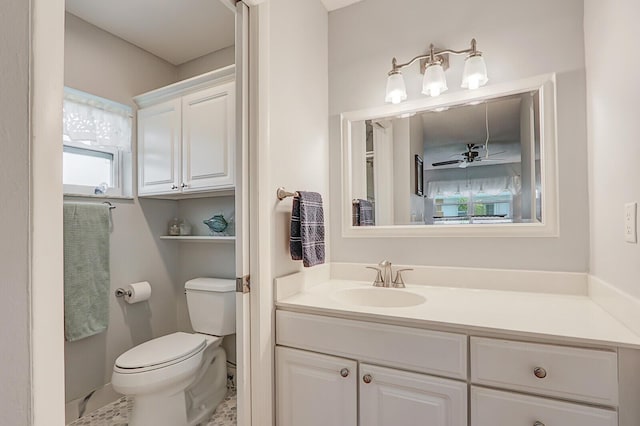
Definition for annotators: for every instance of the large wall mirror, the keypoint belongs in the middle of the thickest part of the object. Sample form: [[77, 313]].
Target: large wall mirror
[[465, 164]]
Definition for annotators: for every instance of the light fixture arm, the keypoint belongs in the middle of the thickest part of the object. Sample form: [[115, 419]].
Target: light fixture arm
[[433, 56]]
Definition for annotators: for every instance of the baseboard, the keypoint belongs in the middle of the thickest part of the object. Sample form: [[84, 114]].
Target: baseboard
[[620, 305], [100, 397]]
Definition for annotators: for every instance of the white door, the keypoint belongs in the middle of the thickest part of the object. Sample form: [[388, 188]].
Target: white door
[[315, 390], [159, 148], [243, 307], [398, 398], [208, 139]]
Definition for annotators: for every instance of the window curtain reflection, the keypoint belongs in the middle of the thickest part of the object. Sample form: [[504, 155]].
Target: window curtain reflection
[[489, 186]]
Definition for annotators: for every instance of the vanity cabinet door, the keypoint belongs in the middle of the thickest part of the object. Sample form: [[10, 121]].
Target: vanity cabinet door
[[399, 398], [314, 389], [208, 139], [159, 148]]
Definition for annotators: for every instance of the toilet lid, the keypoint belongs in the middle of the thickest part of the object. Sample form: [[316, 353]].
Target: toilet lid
[[162, 350]]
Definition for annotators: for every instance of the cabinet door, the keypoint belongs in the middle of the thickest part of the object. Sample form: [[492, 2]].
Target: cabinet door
[[314, 389], [159, 148], [394, 397], [208, 139]]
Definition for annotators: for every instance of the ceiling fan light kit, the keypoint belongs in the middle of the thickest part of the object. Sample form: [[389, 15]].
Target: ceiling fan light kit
[[434, 64]]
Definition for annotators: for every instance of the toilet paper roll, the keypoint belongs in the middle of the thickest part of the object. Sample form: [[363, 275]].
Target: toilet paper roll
[[137, 292]]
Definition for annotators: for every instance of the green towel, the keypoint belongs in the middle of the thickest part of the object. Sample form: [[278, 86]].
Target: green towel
[[86, 270]]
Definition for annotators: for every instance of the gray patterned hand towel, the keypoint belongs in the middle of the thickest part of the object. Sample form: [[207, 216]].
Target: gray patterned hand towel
[[307, 229], [363, 213]]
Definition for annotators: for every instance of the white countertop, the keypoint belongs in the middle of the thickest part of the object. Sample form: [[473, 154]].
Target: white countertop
[[561, 317]]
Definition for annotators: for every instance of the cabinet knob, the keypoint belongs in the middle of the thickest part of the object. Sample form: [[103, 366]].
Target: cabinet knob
[[367, 378], [540, 373], [537, 423], [184, 185], [174, 187], [344, 372]]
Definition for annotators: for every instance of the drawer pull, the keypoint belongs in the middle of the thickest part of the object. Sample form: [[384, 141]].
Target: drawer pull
[[538, 424], [367, 378], [540, 373], [344, 372]]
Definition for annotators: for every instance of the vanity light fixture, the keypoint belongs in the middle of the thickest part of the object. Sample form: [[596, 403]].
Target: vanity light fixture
[[434, 65]]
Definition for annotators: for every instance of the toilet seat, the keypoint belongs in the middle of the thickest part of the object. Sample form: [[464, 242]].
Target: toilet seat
[[160, 352]]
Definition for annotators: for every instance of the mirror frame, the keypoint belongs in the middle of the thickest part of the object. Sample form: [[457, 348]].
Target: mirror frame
[[549, 227]]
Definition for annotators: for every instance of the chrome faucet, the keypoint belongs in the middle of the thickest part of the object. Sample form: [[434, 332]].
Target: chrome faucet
[[384, 278], [385, 266]]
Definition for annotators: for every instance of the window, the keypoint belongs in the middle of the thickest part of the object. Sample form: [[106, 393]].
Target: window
[[97, 145], [473, 208]]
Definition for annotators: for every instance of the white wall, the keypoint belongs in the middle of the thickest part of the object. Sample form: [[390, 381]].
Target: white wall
[[212, 61], [15, 393], [102, 64], [611, 27], [290, 57], [298, 108], [519, 39]]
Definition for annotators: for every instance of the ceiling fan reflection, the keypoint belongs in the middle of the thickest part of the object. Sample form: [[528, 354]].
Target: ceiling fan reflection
[[472, 155]]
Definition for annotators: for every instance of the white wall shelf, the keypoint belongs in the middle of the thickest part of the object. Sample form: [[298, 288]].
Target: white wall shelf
[[200, 238]]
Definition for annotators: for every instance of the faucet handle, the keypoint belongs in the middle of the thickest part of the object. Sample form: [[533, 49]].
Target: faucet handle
[[398, 282], [379, 281]]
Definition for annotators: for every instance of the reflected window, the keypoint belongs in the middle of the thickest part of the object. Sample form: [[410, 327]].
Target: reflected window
[[473, 208]]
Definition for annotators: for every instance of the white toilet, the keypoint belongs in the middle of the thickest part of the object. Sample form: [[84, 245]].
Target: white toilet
[[179, 379]]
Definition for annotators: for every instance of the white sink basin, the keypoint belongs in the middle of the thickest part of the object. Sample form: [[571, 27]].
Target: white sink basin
[[379, 297]]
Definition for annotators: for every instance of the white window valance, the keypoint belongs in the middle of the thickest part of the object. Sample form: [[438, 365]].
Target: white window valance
[[95, 122], [489, 186]]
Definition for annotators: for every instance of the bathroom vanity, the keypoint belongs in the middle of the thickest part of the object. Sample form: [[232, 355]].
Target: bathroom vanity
[[349, 353]]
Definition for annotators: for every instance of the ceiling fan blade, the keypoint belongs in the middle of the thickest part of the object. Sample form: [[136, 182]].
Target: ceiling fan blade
[[447, 163], [464, 165], [497, 153], [490, 159]]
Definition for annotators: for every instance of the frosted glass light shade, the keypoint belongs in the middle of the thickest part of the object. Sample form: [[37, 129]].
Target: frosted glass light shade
[[434, 81], [475, 73], [396, 89]]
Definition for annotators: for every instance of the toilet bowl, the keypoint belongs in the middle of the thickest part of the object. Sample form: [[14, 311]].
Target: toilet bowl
[[179, 379]]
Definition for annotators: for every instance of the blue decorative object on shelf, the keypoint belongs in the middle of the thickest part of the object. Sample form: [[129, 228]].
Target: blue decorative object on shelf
[[217, 224]]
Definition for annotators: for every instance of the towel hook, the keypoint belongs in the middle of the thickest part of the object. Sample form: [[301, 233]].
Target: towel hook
[[282, 194]]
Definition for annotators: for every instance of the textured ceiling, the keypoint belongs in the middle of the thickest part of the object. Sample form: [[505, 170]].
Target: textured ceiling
[[176, 31]]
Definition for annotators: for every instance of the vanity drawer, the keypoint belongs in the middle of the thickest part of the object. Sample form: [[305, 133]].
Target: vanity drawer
[[442, 354], [492, 407], [570, 373]]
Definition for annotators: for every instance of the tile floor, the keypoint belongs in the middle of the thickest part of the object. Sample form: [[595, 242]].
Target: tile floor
[[115, 414]]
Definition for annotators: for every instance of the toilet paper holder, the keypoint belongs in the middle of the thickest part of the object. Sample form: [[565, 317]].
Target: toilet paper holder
[[121, 292]]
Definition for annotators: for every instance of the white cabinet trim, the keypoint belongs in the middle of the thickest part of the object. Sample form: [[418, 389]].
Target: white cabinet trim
[[181, 88]]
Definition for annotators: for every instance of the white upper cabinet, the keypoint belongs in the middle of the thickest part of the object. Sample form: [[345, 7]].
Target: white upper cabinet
[[159, 148], [395, 397], [208, 136], [186, 137], [315, 390]]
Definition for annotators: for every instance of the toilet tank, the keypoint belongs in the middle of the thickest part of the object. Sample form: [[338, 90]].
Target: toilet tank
[[212, 305]]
